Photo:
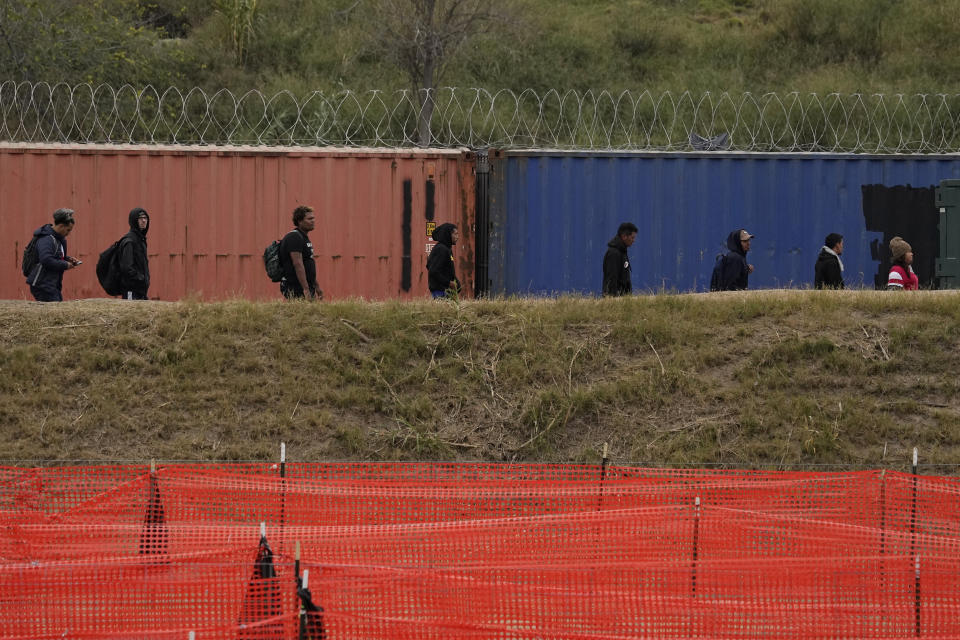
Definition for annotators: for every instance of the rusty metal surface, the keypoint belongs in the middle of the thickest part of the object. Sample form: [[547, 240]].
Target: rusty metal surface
[[214, 209]]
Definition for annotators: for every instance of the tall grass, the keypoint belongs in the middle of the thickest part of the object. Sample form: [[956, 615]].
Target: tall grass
[[755, 379]]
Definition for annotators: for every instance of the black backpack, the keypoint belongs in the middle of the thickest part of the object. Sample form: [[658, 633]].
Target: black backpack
[[108, 269], [30, 257], [271, 261], [716, 278]]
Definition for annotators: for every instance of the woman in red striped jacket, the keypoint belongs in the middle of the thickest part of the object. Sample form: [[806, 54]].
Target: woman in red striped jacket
[[902, 277]]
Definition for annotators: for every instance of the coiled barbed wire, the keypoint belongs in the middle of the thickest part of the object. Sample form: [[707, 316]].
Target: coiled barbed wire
[[477, 118]]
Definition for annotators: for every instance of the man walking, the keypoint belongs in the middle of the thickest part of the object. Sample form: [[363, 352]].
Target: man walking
[[734, 269], [134, 266], [296, 258], [46, 277], [441, 271], [828, 272], [616, 264]]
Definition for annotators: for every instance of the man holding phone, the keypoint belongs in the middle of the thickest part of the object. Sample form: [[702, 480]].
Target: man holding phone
[[46, 277]]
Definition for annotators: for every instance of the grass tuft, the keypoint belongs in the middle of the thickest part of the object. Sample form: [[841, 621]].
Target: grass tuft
[[766, 378]]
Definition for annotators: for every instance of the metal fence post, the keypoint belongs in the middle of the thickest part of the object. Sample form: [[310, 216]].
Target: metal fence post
[[696, 546], [603, 475], [913, 546]]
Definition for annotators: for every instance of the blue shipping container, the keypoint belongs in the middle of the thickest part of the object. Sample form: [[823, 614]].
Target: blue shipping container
[[552, 214]]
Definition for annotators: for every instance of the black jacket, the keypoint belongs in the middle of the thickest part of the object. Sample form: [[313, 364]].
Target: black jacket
[[827, 273], [440, 266], [616, 269], [134, 267], [51, 260], [735, 271]]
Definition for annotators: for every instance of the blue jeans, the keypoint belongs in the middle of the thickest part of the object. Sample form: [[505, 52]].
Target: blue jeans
[[438, 294]]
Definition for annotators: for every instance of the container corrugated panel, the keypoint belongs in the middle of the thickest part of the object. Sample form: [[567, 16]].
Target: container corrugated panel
[[552, 214], [214, 209]]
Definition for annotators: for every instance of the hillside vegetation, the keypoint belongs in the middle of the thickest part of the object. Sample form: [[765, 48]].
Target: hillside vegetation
[[760, 379], [717, 45]]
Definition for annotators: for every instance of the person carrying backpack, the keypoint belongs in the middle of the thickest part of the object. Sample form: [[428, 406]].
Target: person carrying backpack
[[132, 262], [46, 261], [732, 271], [296, 258]]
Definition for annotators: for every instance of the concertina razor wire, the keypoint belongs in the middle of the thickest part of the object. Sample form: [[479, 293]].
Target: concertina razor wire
[[477, 118]]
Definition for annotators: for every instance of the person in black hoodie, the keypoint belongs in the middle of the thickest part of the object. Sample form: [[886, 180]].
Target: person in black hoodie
[[134, 267], [46, 277], [736, 269], [441, 272], [616, 264], [828, 272]]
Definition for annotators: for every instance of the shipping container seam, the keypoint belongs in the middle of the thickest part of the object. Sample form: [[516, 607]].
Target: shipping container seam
[[238, 150], [786, 155]]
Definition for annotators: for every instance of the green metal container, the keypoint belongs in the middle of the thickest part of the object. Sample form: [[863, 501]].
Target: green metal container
[[948, 264]]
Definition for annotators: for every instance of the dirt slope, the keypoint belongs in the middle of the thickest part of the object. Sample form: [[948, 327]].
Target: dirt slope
[[780, 378]]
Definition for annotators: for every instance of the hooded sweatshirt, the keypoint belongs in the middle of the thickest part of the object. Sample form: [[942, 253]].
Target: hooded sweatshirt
[[735, 270], [440, 265], [134, 268], [616, 269], [51, 260], [828, 272]]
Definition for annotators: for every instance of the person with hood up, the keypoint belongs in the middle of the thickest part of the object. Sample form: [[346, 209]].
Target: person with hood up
[[901, 277], [736, 270], [616, 264], [828, 272], [46, 277], [134, 266], [441, 271]]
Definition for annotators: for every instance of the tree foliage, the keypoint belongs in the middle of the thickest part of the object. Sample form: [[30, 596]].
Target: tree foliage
[[819, 46], [240, 17], [422, 36], [96, 41]]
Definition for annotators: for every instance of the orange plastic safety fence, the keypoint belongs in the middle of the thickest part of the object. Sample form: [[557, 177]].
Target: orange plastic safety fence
[[475, 551]]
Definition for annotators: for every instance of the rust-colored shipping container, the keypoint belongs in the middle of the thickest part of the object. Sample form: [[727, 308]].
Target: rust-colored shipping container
[[213, 210]]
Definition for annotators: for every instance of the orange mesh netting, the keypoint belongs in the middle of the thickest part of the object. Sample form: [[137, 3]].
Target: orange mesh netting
[[475, 551]]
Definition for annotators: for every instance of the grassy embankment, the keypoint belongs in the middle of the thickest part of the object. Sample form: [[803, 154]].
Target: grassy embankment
[[756, 379]]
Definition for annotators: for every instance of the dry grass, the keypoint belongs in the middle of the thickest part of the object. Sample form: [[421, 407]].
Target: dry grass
[[769, 379]]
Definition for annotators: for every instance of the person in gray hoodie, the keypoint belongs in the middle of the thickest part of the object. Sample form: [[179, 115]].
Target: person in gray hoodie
[[134, 265], [46, 277]]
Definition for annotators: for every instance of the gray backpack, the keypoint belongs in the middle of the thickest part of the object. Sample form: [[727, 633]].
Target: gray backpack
[[271, 261]]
